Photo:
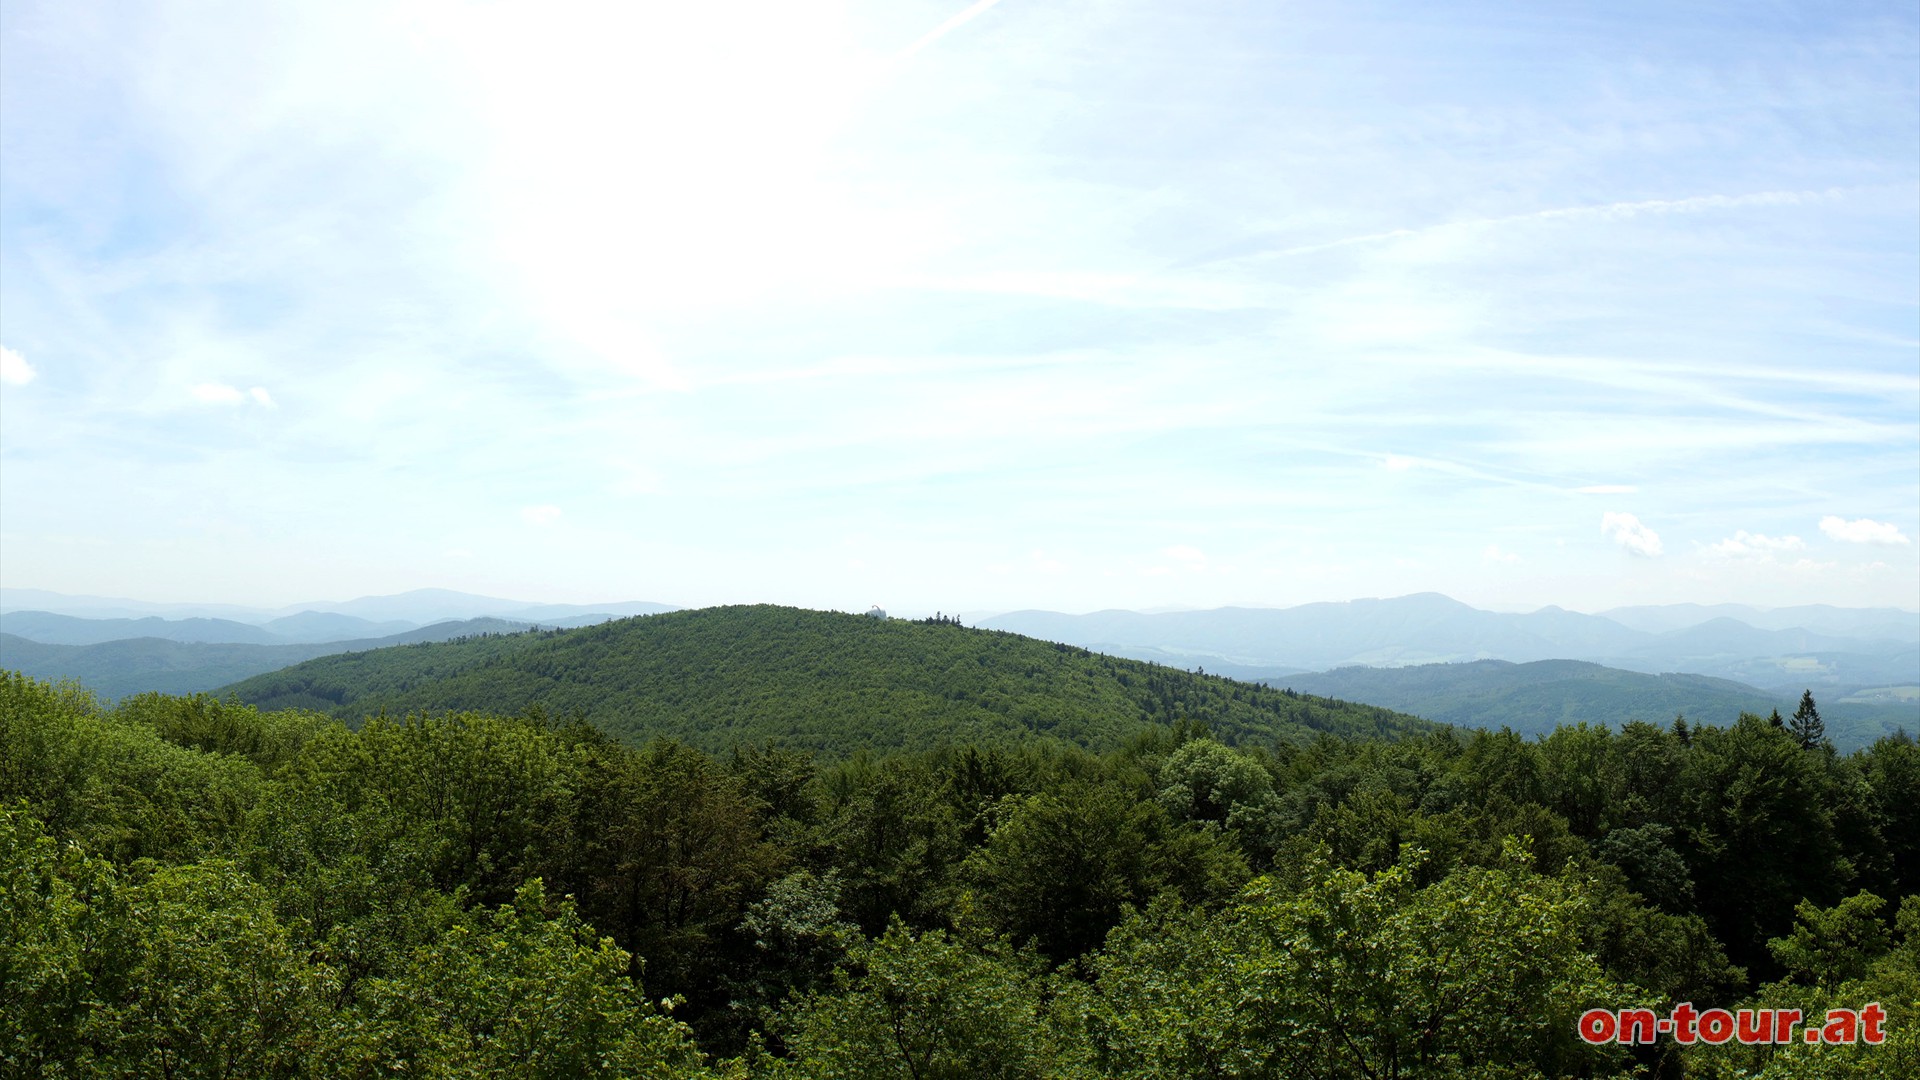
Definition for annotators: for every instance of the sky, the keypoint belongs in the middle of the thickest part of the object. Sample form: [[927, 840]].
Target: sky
[[1022, 304]]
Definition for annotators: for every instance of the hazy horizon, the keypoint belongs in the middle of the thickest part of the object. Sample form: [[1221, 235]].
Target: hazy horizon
[[976, 307], [907, 611]]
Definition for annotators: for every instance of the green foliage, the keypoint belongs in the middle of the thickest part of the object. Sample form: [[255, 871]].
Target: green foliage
[[1751, 788], [61, 918], [1646, 856], [472, 799], [1672, 955], [1890, 769], [934, 1007], [200, 722], [800, 938], [521, 990], [212, 984], [186, 971], [116, 786], [665, 851], [1481, 973], [164, 971], [1848, 940], [1836, 944], [1203, 781], [895, 837], [1062, 866], [195, 886]]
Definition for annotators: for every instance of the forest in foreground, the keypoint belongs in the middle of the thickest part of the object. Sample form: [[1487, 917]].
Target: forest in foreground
[[198, 887]]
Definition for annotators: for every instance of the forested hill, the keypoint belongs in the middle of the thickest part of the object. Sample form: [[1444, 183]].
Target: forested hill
[[1537, 697], [804, 679]]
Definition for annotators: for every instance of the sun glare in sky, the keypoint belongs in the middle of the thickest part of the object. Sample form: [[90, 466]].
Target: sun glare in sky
[[1002, 305]]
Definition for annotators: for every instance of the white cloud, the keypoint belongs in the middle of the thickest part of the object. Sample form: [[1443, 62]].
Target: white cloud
[[1626, 530], [544, 514], [1863, 531], [1493, 554], [14, 369], [1397, 463], [1743, 544], [1607, 489], [260, 396]]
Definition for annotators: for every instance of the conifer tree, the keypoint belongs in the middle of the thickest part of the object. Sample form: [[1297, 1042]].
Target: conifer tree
[[1806, 724]]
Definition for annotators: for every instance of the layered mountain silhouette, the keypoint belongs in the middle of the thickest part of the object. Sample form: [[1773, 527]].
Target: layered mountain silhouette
[[117, 668], [1852, 648], [1524, 669], [57, 619]]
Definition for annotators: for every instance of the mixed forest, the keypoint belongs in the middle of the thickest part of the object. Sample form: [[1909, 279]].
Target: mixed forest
[[761, 843], [807, 680]]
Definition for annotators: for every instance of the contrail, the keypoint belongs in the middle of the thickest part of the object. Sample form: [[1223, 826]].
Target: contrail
[[942, 30]]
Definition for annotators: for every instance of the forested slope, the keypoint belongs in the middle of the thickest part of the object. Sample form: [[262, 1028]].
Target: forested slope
[[809, 680], [1534, 698]]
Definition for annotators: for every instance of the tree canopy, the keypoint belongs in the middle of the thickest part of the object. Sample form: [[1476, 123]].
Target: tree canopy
[[197, 887]]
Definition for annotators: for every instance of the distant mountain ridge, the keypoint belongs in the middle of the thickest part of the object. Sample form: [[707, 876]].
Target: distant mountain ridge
[[50, 628], [58, 619], [1889, 623], [1834, 651], [1533, 698], [116, 668], [1853, 648]]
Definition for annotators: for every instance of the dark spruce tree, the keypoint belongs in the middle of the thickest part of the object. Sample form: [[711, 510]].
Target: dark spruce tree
[[1806, 724]]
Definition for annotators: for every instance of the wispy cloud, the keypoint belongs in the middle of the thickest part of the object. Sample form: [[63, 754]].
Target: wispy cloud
[[881, 268], [1615, 211], [972, 12], [1863, 531]]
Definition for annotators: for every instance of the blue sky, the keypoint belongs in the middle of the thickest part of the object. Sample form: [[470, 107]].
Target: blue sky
[[1018, 304]]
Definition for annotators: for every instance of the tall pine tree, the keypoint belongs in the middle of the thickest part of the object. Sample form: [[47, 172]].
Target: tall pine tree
[[1806, 724]]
